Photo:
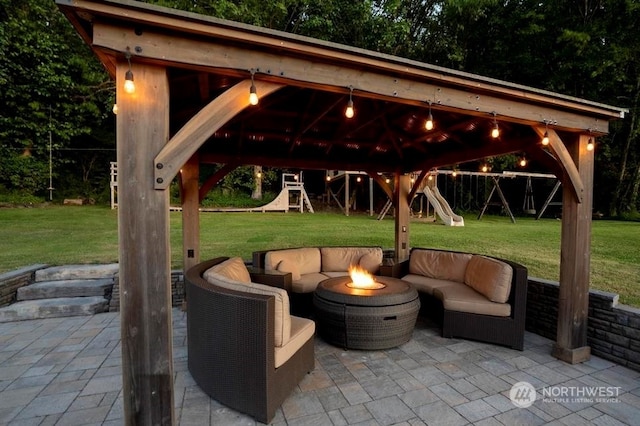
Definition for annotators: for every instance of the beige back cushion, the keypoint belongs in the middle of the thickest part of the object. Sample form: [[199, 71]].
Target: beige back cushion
[[489, 277], [282, 320], [338, 259], [442, 265], [306, 259], [232, 268]]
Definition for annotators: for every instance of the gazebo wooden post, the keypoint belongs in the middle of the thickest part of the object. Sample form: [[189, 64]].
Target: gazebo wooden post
[[144, 248], [189, 192], [575, 255], [402, 186]]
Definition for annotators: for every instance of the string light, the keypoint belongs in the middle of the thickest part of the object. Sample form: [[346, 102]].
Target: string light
[[328, 178], [115, 109], [495, 132], [253, 93], [590, 145], [545, 138], [350, 112], [523, 161], [129, 85], [429, 123]]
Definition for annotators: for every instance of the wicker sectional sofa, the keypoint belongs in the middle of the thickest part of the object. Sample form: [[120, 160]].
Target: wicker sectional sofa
[[245, 349], [473, 296], [306, 267]]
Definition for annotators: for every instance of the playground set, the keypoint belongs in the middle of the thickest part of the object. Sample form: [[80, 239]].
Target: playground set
[[340, 189]]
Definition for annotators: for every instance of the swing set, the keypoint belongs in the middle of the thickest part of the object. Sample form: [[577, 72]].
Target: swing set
[[528, 206]]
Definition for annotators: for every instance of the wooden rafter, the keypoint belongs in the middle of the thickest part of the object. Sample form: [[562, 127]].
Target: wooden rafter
[[565, 160], [193, 134]]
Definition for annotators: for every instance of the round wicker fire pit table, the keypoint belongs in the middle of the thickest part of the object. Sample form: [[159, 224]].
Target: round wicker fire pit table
[[366, 319]]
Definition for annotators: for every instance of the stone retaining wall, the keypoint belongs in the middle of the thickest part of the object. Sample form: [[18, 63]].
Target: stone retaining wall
[[613, 330], [11, 281], [177, 291]]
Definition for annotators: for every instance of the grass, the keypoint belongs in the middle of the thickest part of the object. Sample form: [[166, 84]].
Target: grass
[[88, 234]]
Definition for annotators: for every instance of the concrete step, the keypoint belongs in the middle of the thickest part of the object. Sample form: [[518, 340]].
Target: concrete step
[[65, 288], [54, 308], [74, 272]]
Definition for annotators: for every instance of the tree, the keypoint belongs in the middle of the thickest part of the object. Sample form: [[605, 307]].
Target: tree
[[51, 89]]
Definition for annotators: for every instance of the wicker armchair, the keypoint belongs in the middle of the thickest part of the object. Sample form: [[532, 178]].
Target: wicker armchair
[[231, 347]]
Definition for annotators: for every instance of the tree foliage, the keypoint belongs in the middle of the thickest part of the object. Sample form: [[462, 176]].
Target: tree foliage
[[49, 80], [52, 91]]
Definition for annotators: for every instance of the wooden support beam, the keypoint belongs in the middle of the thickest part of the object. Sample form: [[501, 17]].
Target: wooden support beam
[[189, 193], [402, 186], [564, 158], [200, 128], [575, 257], [383, 184], [144, 249], [334, 68]]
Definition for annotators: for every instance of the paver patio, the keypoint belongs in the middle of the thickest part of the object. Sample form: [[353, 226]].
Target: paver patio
[[67, 371]]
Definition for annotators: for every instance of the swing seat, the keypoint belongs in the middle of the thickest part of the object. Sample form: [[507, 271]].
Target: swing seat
[[530, 211]]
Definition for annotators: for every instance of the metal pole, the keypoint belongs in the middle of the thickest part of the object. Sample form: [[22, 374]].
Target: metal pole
[[50, 160]]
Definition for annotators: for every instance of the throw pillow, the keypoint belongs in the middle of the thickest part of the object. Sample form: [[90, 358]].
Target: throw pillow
[[233, 268]]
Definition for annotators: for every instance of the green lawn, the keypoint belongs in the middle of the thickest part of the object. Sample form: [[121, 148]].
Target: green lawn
[[88, 234]]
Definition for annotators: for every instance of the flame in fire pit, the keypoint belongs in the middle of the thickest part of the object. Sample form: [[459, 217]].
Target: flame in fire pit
[[362, 279]]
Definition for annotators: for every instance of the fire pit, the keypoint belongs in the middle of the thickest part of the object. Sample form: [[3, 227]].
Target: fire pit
[[379, 315]]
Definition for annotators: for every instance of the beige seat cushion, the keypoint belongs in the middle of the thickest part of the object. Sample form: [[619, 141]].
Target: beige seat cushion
[[307, 282], [288, 265], [307, 259], [232, 268], [282, 320], [463, 298], [489, 277], [337, 259], [438, 264], [302, 329], [336, 274], [426, 284]]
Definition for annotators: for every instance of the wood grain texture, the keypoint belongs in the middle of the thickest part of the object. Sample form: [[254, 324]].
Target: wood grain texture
[[144, 250], [575, 253]]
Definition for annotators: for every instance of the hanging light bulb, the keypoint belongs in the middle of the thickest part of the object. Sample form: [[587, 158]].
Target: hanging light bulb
[[253, 94], [523, 162], [350, 112], [115, 109], [129, 85], [430, 177], [454, 173], [328, 178], [358, 179], [485, 168], [590, 145], [545, 138], [429, 123], [495, 131], [387, 180]]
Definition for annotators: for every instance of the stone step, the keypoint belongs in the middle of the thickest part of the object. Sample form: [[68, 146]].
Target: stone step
[[65, 288], [74, 272], [54, 308]]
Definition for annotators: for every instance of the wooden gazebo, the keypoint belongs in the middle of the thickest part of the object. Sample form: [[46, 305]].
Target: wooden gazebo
[[193, 76]]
